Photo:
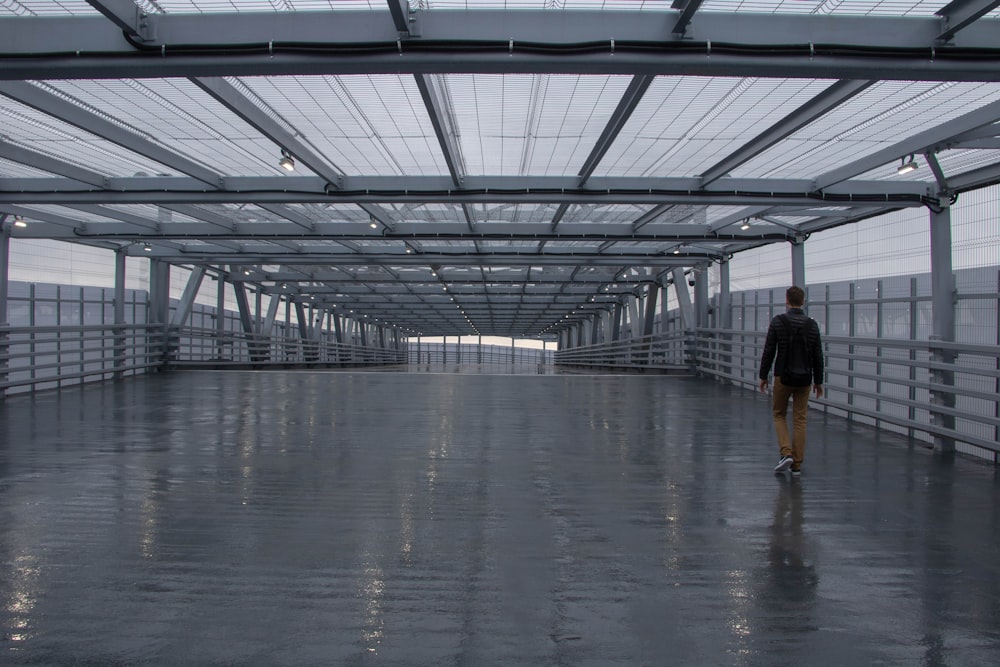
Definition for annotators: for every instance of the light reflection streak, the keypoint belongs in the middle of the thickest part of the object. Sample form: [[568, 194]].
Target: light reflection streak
[[149, 520], [407, 528], [372, 590], [740, 593], [23, 598]]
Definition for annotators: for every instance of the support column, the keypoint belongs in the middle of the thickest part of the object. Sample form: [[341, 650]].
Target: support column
[[4, 294], [633, 316], [798, 262], [267, 327], [651, 296], [159, 292], [683, 299], [220, 316], [186, 303], [701, 296], [725, 318], [616, 323], [943, 311], [158, 309], [183, 311], [647, 327], [119, 328]]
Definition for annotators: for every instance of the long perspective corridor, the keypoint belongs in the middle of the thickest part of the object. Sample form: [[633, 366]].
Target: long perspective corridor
[[355, 518]]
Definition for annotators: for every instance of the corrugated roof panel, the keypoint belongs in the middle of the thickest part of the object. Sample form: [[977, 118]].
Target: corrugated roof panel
[[212, 6], [366, 125], [878, 117], [685, 125], [178, 115], [46, 8], [522, 124], [28, 127]]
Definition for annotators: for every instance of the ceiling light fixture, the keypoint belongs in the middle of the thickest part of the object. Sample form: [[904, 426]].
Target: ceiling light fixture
[[746, 224], [287, 162], [907, 164], [147, 248], [19, 222]]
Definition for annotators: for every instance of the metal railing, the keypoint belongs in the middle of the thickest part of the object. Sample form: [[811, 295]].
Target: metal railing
[[665, 352], [485, 355], [201, 347], [34, 358], [58, 356], [923, 389]]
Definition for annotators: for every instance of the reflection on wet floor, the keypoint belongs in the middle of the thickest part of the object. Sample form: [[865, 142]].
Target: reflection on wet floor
[[473, 518]]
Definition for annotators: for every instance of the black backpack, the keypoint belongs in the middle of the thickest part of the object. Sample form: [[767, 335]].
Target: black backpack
[[798, 369]]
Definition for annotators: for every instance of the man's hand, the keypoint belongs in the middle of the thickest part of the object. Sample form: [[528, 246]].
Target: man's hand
[[818, 388], [763, 386]]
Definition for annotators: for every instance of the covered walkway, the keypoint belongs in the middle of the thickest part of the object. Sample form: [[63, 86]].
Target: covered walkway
[[341, 518]]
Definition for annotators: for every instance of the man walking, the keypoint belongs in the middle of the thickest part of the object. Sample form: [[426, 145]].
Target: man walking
[[795, 339]]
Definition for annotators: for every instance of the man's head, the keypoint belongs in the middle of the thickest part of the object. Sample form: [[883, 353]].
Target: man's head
[[795, 296]]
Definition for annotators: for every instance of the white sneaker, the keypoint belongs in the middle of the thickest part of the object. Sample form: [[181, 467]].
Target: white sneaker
[[784, 463]]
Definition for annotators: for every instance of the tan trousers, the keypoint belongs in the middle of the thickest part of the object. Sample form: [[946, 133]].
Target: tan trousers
[[794, 446]]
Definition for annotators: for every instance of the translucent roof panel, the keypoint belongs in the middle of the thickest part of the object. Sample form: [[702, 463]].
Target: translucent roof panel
[[685, 125], [10, 169], [52, 137], [557, 5], [874, 119], [538, 125], [176, 114], [365, 125], [716, 214], [828, 7], [951, 161], [213, 6], [46, 8], [604, 213], [526, 212]]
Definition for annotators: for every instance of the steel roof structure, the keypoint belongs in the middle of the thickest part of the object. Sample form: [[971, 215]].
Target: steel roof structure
[[466, 167]]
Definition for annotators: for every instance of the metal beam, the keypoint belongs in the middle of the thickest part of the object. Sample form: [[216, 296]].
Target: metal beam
[[400, 12], [687, 11], [66, 111], [186, 301], [370, 191], [236, 101], [959, 14], [123, 13], [721, 44], [189, 256], [37, 160], [934, 139], [826, 101], [442, 117], [630, 99]]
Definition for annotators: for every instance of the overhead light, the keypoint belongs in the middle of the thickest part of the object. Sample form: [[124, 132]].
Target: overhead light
[[746, 224], [147, 248], [19, 222], [246, 272], [287, 162], [677, 251], [907, 164]]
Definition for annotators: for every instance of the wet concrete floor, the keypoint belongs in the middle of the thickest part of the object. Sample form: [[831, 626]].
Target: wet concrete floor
[[351, 518]]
